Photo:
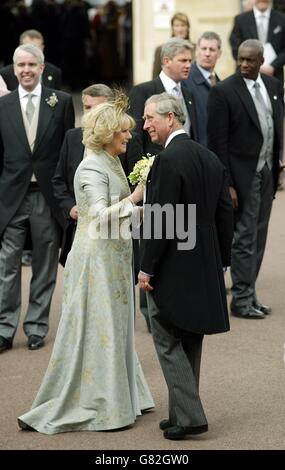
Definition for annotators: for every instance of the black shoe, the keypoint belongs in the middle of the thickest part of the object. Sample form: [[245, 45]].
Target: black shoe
[[263, 308], [247, 312], [4, 344], [165, 424], [179, 432], [35, 342]]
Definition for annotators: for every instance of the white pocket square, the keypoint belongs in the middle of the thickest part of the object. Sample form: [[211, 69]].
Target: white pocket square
[[277, 30]]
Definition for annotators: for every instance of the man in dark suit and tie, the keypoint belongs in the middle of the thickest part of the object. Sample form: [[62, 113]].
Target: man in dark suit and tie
[[267, 25], [245, 130], [51, 76], [176, 58], [33, 122], [71, 155], [202, 77], [183, 273]]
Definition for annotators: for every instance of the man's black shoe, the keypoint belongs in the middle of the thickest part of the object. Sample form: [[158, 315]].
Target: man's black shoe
[[179, 432], [263, 308], [247, 312], [35, 342], [5, 344], [165, 424]]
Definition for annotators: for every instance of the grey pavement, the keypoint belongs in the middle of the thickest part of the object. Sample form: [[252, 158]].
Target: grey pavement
[[242, 377]]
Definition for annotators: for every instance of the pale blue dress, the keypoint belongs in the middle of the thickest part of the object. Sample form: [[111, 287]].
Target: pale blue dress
[[94, 381]]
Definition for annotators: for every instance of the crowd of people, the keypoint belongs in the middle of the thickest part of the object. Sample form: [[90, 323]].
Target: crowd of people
[[68, 188], [98, 40]]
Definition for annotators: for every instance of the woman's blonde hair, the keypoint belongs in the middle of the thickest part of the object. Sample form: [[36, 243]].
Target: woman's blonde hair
[[102, 121]]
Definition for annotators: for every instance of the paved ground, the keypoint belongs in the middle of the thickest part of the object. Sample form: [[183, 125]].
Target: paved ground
[[242, 377]]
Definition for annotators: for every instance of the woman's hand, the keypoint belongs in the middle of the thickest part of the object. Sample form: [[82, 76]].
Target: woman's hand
[[137, 195]]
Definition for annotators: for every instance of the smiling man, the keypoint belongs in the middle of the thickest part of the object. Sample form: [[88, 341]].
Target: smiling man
[[185, 285], [245, 130], [176, 59], [33, 122]]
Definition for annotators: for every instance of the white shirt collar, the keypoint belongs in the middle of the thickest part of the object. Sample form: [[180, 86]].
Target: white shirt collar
[[167, 82], [174, 134], [258, 13], [250, 83], [37, 91], [206, 73]]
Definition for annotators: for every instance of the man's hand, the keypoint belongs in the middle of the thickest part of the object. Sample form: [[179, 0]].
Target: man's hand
[[144, 282], [74, 213], [234, 197], [267, 69]]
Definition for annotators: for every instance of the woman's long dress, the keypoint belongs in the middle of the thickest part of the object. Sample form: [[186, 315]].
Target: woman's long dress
[[94, 381]]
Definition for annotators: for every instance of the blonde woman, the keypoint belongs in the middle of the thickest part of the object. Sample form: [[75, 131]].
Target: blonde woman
[[94, 381], [180, 28]]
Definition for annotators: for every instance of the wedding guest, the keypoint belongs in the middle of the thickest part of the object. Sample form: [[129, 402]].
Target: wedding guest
[[33, 122], [180, 28], [71, 154], [268, 25], [184, 281], [51, 76], [94, 381], [251, 104]]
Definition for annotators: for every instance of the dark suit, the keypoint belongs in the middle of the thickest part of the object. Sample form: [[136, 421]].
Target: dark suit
[[245, 28], [237, 139], [51, 77], [199, 87], [71, 155], [23, 205], [189, 290], [141, 143]]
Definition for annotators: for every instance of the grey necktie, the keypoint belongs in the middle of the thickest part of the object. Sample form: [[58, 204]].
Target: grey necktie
[[259, 101], [261, 28], [30, 108]]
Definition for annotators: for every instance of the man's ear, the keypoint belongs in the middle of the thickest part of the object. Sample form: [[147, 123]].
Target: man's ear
[[165, 60]]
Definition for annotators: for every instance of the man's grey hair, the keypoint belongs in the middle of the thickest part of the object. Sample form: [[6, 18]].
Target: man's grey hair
[[31, 49], [252, 44], [166, 103], [210, 36], [174, 46], [99, 90]]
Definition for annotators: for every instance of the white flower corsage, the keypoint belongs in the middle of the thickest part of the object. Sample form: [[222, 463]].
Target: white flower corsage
[[141, 170], [52, 100]]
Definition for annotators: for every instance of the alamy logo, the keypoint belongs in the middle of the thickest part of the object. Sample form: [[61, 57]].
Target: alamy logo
[[170, 222]]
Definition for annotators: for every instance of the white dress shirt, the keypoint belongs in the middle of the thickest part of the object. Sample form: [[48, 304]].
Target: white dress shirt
[[262, 16], [24, 94], [250, 86]]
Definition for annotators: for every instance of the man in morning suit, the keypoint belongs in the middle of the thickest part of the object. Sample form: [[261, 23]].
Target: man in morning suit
[[202, 77], [245, 130], [33, 122], [51, 76], [176, 58], [184, 283], [71, 155], [267, 25]]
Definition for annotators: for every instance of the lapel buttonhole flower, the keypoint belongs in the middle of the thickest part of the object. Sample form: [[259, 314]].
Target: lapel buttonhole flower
[[52, 100]]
